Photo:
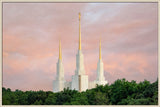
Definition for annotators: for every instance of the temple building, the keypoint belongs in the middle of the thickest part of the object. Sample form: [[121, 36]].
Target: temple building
[[80, 81]]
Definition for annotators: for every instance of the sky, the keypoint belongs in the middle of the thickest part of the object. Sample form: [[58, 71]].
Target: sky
[[31, 34]]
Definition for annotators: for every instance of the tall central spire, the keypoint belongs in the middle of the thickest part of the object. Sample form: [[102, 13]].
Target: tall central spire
[[60, 51], [79, 31], [100, 57]]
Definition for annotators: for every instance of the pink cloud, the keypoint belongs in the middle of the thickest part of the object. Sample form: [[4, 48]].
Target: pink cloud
[[31, 33]]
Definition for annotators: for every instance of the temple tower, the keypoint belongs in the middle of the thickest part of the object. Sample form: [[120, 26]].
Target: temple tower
[[100, 80], [80, 79], [58, 84]]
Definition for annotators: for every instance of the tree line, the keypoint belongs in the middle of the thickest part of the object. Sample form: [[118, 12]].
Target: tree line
[[121, 92]]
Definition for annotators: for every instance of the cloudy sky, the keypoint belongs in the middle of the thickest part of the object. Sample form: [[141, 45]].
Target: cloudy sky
[[31, 32]]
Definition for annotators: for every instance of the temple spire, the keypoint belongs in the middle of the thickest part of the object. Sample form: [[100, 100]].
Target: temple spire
[[79, 31], [100, 57], [60, 51]]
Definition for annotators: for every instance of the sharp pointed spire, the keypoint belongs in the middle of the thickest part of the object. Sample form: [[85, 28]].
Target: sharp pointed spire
[[79, 31], [100, 57], [60, 51]]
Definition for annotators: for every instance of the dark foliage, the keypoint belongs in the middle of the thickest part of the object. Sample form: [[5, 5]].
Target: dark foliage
[[121, 92]]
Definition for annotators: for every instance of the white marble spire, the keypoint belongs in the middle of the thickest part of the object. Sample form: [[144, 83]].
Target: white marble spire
[[79, 57], [60, 69], [80, 79], [100, 71], [58, 84]]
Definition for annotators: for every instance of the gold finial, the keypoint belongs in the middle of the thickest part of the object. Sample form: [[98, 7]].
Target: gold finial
[[100, 57], [79, 16], [79, 31], [60, 51]]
